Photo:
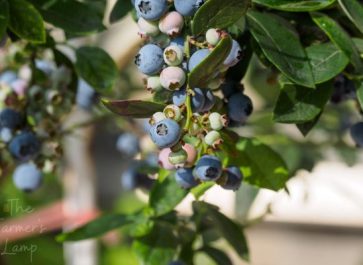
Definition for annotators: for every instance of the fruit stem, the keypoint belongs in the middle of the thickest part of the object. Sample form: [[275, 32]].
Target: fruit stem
[[188, 104]]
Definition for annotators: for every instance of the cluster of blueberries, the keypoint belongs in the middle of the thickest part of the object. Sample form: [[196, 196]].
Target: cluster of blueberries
[[188, 130], [33, 101], [344, 89]]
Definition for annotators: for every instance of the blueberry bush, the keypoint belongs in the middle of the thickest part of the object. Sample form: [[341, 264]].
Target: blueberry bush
[[194, 56]]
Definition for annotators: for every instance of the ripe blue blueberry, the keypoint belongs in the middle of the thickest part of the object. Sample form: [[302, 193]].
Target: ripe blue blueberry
[[197, 58], [165, 133], [235, 55], [230, 87], [210, 100], [128, 144], [86, 95], [188, 7], [239, 107], [8, 77], [234, 178], [198, 99], [208, 168], [11, 119], [27, 177], [151, 9], [24, 146], [6, 135], [150, 59], [178, 41], [357, 133], [344, 89], [133, 178]]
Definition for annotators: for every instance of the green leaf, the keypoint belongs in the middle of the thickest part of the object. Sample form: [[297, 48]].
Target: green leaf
[[340, 38], [261, 166], [295, 5], [201, 189], [97, 68], [120, 9], [157, 248], [26, 22], [133, 108], [354, 11], [4, 17], [96, 228], [297, 104], [227, 228], [359, 85], [72, 16], [204, 72], [359, 44], [281, 45], [218, 14], [166, 195], [306, 127], [327, 61], [217, 255]]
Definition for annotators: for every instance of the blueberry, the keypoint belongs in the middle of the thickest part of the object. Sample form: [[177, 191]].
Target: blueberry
[[128, 144], [188, 7], [86, 96], [210, 100], [234, 178], [178, 41], [172, 78], [171, 24], [133, 178], [151, 9], [6, 135], [198, 100], [128, 179], [45, 66], [344, 89], [234, 56], [208, 168], [230, 87], [8, 77], [179, 97], [184, 177], [213, 36], [165, 133], [24, 146], [11, 119], [239, 107], [27, 177], [150, 59], [197, 58], [357, 133]]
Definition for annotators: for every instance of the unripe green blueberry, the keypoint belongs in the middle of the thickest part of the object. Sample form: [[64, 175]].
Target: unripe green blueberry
[[54, 97], [147, 28], [157, 117], [217, 121], [213, 138], [213, 36], [153, 84], [173, 55], [161, 40], [173, 112], [178, 158], [215, 83]]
